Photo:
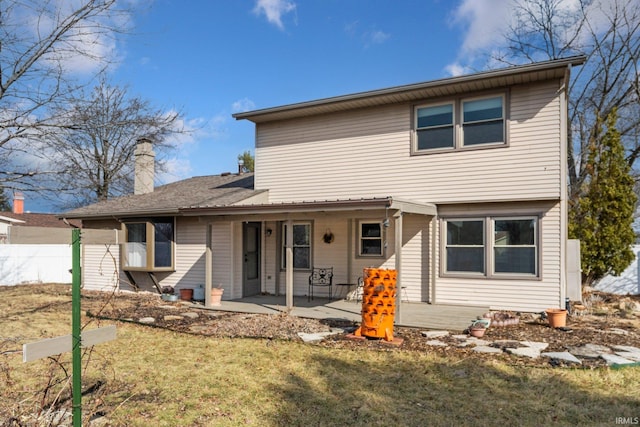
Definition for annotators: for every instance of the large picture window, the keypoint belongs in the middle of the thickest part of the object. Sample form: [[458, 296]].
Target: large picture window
[[513, 250], [301, 246], [460, 123], [370, 239], [149, 245]]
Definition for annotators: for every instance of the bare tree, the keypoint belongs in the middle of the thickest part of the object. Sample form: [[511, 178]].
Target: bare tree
[[45, 45], [608, 34], [96, 139]]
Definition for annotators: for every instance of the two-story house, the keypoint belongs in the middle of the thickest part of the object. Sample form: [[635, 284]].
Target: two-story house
[[459, 184]]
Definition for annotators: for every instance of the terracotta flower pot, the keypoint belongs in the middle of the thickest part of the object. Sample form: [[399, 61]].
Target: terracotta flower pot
[[557, 317], [186, 294], [477, 332], [216, 296]]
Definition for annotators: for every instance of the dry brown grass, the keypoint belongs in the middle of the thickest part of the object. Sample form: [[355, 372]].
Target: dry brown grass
[[150, 376]]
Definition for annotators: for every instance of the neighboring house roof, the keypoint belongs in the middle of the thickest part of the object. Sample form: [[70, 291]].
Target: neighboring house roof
[[521, 74], [212, 190], [36, 220]]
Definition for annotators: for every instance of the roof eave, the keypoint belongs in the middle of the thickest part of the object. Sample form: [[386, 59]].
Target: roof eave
[[384, 96]]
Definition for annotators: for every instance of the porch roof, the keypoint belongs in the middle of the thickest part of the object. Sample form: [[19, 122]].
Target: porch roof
[[312, 206]]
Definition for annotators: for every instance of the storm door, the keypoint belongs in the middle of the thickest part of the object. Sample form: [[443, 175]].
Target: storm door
[[251, 264]]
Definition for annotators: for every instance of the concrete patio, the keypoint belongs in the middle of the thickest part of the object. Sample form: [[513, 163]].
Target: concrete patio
[[418, 315]]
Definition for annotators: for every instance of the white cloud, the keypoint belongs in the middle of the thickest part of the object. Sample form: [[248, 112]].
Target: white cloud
[[456, 69], [274, 10], [485, 22], [377, 36], [84, 48], [368, 37], [242, 105]]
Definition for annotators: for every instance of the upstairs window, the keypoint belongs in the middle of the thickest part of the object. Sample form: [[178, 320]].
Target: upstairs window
[[435, 127], [460, 124], [149, 245], [483, 121]]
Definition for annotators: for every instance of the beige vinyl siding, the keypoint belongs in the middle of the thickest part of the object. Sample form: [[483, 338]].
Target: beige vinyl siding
[[370, 150], [101, 268], [511, 294], [189, 255], [221, 237], [415, 258], [101, 263]]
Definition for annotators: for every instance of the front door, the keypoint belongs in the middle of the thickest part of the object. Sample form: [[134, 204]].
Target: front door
[[251, 265]]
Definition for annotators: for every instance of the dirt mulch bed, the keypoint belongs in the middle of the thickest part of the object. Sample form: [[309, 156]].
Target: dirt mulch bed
[[604, 323]]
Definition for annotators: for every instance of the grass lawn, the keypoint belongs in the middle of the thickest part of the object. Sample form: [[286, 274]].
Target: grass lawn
[[151, 376]]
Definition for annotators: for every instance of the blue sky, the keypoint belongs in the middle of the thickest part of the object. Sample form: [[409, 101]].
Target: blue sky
[[210, 59]]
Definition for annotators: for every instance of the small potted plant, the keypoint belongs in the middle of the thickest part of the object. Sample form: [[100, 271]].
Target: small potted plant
[[478, 328], [168, 294]]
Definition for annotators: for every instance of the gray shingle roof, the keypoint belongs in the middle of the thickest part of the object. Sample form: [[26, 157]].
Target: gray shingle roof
[[212, 190]]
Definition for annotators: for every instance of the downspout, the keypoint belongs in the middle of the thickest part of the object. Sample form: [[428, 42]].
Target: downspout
[[289, 269], [398, 250], [564, 209], [208, 269]]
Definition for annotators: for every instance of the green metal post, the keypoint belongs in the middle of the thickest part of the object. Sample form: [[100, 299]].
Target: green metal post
[[75, 328]]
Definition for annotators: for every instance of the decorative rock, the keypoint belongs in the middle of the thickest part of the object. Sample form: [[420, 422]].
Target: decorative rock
[[507, 344], [486, 349], [531, 352], [590, 350], [317, 337], [462, 337], [434, 334], [631, 355], [436, 343], [168, 307], [539, 346], [476, 341], [564, 355], [198, 328], [614, 359], [146, 320], [191, 315], [170, 318], [626, 348]]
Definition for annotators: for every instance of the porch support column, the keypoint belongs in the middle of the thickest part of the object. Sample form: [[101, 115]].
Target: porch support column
[[289, 269], [398, 251], [208, 268]]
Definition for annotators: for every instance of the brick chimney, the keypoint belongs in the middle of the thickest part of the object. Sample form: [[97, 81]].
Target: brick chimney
[[144, 167], [18, 203]]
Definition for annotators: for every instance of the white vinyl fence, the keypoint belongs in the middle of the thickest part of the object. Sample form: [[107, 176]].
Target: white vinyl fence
[[35, 264]]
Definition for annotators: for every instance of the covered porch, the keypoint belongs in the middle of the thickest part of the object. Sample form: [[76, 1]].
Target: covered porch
[[410, 314], [271, 248]]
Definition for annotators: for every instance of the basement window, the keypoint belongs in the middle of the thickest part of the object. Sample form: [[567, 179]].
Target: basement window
[[149, 245]]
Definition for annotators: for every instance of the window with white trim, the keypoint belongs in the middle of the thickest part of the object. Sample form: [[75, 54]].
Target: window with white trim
[[149, 245], [512, 251], [370, 239], [301, 246], [460, 123]]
